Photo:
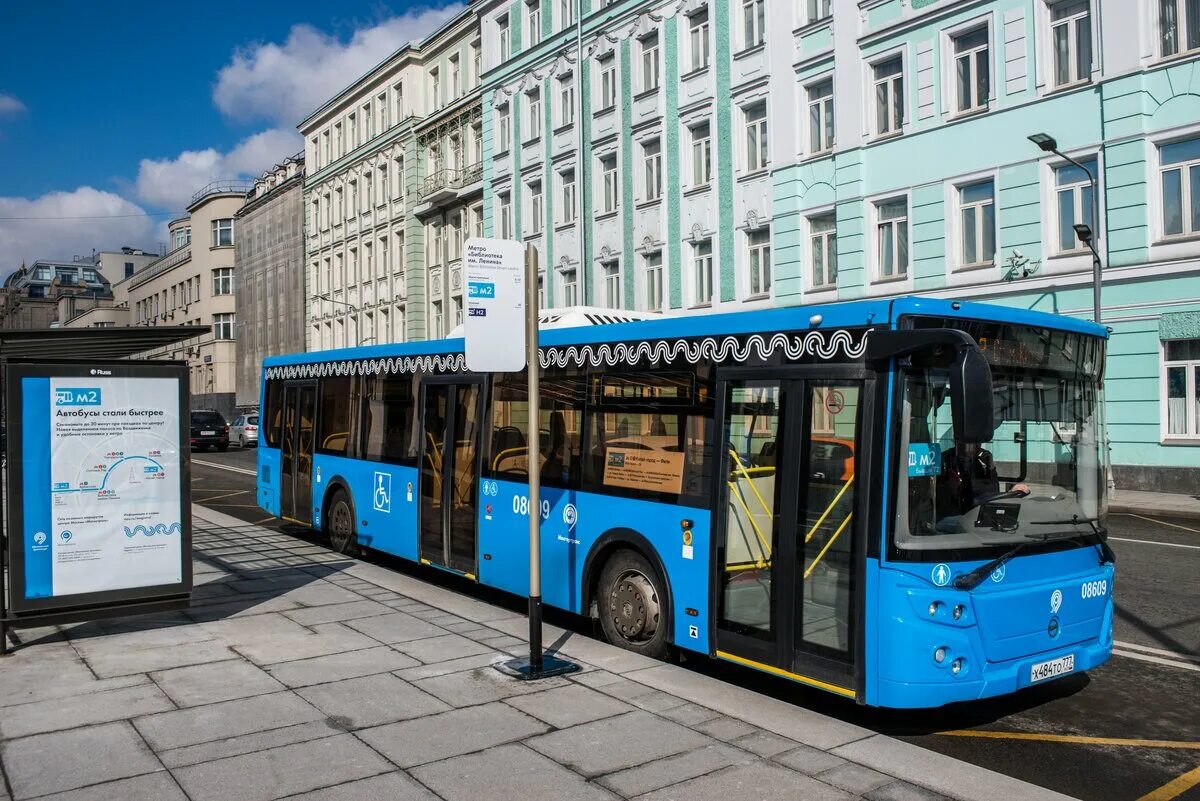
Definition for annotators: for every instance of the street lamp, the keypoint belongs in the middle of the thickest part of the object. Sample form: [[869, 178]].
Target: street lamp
[[325, 296], [1082, 230]]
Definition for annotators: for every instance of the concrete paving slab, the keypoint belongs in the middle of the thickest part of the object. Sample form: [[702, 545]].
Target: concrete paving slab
[[762, 781], [854, 778], [324, 639], [320, 593], [903, 791], [26, 683], [371, 700], [439, 649], [65, 760], [459, 731], [507, 771], [236, 609], [335, 667], [82, 710], [690, 714], [725, 728], [108, 664], [656, 701], [396, 627], [159, 786], [568, 705], [597, 678], [673, 769], [215, 682], [330, 613], [449, 666], [808, 760], [941, 773], [764, 743], [437, 597], [278, 772], [789, 720], [227, 719], [248, 743], [481, 685], [394, 786], [612, 744]]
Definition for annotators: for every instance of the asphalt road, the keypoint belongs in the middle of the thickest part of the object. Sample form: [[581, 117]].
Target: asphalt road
[[1073, 735]]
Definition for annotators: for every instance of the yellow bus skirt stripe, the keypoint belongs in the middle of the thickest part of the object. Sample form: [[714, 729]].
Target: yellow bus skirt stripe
[[833, 688]]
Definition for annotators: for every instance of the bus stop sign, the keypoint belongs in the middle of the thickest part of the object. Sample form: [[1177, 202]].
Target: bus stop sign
[[495, 322]]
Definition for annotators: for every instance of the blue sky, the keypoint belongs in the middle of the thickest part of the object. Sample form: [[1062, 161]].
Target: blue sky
[[112, 114]]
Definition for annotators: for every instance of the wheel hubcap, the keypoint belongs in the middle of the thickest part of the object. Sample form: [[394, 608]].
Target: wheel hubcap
[[633, 605], [340, 530]]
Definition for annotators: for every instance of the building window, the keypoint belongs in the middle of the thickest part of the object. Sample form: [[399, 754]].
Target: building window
[[477, 221], [506, 218], [222, 281], [611, 272], [1182, 366], [455, 77], [385, 185], [352, 131], [503, 129], [570, 287], [541, 290], [652, 169], [566, 12], [1074, 197], [435, 87], [754, 23], [383, 256], [701, 154], [1179, 174], [819, 9], [223, 326], [891, 238], [535, 207], [439, 320], [476, 64], [758, 244], [820, 117], [1071, 39], [128, 269], [567, 181], [222, 232], [889, 96], [822, 247], [654, 281], [566, 100], [756, 137], [971, 70], [650, 62], [977, 224], [533, 18], [382, 104], [608, 184], [1178, 26], [608, 82], [702, 272], [352, 200], [502, 38], [698, 47], [533, 121]]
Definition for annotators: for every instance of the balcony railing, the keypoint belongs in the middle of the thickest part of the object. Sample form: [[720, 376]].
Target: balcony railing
[[156, 268], [222, 187], [448, 178]]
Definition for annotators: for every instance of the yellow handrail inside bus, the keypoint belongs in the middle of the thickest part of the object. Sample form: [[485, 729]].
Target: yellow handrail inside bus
[[760, 563], [808, 570], [829, 509], [742, 469]]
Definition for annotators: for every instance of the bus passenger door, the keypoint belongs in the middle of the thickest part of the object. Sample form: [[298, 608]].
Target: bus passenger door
[[451, 415], [296, 452]]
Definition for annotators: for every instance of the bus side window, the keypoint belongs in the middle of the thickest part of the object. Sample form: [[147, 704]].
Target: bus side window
[[273, 413], [560, 428], [387, 418]]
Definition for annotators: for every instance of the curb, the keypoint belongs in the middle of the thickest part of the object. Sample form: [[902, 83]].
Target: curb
[[1183, 514]]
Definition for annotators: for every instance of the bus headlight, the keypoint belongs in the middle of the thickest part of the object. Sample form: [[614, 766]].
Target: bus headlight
[[958, 611], [939, 654], [956, 666], [933, 607]]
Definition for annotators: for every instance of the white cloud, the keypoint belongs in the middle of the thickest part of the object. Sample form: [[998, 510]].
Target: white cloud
[[283, 83], [170, 182], [59, 225], [10, 104]]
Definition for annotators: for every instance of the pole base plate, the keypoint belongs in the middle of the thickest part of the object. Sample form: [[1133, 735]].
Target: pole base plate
[[520, 668]]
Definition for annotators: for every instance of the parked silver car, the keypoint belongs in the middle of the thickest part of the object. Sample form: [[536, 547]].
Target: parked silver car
[[244, 430]]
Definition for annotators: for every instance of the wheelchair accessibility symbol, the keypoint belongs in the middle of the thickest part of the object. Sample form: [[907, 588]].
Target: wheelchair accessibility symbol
[[382, 496]]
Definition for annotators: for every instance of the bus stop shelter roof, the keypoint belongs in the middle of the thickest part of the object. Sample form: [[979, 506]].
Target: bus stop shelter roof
[[99, 344]]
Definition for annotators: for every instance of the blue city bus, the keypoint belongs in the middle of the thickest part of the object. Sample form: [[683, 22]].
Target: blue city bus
[[898, 501]]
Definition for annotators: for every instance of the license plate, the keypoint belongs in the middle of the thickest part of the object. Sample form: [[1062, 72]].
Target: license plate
[[1055, 667], [208, 433]]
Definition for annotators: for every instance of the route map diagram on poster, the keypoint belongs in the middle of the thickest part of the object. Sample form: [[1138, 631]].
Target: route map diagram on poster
[[115, 512]]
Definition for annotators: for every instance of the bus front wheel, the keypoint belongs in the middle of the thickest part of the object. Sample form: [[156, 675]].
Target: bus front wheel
[[630, 601], [339, 523]]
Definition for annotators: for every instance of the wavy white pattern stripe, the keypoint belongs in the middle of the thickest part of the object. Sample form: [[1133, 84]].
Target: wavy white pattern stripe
[[842, 344]]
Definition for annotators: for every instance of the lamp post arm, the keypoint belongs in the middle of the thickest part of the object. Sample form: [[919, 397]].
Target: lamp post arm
[[1097, 275]]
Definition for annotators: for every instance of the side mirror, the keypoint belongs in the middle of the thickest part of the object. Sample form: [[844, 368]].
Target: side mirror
[[971, 396]]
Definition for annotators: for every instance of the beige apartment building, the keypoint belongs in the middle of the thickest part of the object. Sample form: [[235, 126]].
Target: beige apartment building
[[394, 185], [191, 285]]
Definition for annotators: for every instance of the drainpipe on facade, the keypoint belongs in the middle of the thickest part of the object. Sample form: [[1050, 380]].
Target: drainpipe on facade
[[581, 185]]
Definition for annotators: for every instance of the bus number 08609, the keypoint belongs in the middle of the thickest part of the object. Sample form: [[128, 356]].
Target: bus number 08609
[[521, 506]]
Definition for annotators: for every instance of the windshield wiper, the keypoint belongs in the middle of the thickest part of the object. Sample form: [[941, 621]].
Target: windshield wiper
[[1107, 557], [969, 581]]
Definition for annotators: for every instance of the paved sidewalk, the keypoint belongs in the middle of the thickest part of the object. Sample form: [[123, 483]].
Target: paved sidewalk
[[1156, 503], [299, 673]]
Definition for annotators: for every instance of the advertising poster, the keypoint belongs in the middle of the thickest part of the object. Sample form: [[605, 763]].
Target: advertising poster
[[653, 471], [102, 490]]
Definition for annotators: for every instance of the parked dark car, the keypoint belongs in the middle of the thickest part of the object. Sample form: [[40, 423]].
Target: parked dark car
[[209, 430]]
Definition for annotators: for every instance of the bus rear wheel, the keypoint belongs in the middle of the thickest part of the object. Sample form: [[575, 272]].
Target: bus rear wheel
[[339, 523], [631, 604]]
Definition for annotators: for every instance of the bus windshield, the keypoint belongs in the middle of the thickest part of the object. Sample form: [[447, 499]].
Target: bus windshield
[[1040, 475]]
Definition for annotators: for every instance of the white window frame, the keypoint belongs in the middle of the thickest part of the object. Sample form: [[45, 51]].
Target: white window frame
[[533, 22], [504, 200], [222, 281], [950, 67], [1054, 222], [503, 37], [700, 154], [568, 191], [224, 326], [610, 183], [1181, 48], [702, 273], [221, 226], [959, 232], [566, 100], [652, 169], [1187, 202], [607, 69], [814, 238], [818, 10], [612, 283], [504, 127], [1046, 24], [566, 13], [765, 252], [650, 62], [753, 23], [699, 38], [890, 283], [894, 127], [756, 137], [533, 115], [536, 207], [570, 288], [654, 295], [825, 106], [1191, 398]]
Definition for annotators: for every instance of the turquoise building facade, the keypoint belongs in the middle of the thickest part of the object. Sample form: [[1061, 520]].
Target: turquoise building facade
[[689, 156]]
